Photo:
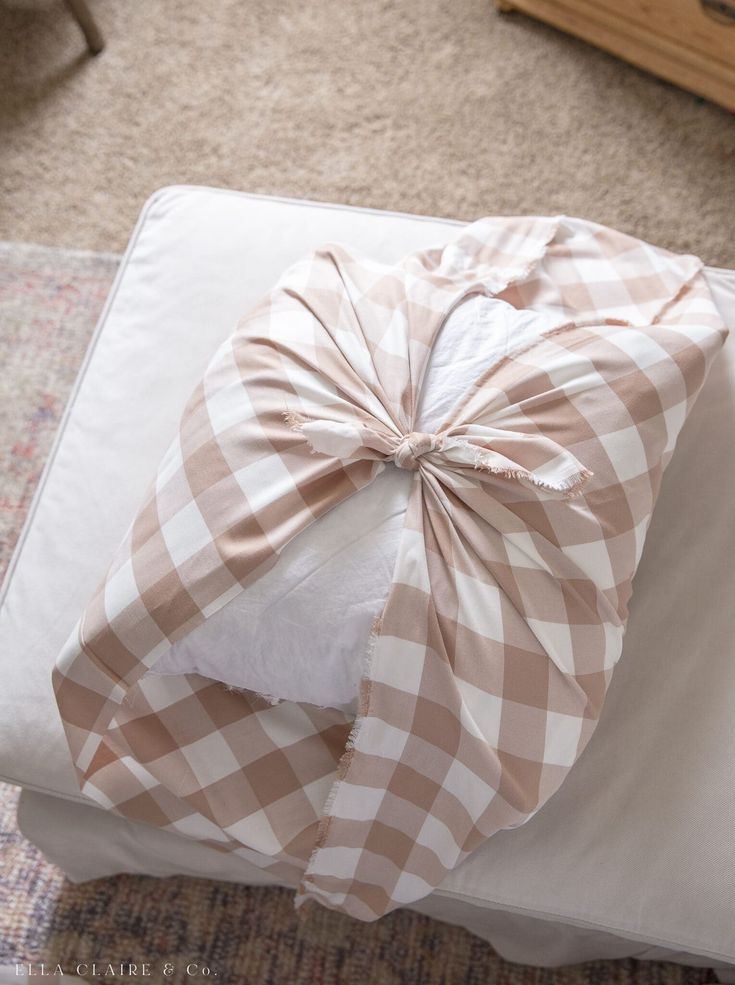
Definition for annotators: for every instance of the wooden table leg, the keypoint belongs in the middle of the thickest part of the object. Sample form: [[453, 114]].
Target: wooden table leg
[[83, 16]]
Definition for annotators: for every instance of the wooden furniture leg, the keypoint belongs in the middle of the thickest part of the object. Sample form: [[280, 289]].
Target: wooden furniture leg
[[83, 16]]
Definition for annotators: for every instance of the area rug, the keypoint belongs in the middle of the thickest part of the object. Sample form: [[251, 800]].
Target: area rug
[[50, 300], [185, 930]]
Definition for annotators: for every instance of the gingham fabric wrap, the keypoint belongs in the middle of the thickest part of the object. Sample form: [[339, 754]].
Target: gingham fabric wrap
[[526, 520]]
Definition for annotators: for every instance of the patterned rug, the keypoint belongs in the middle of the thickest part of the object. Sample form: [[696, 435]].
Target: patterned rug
[[49, 302]]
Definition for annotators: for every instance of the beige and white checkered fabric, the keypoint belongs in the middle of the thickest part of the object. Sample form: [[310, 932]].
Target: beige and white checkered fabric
[[505, 618]]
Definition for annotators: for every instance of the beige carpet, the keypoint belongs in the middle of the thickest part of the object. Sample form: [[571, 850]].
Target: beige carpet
[[442, 108]]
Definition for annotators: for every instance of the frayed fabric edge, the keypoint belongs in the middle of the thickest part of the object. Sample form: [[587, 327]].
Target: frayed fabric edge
[[294, 421], [304, 893], [569, 488], [270, 699]]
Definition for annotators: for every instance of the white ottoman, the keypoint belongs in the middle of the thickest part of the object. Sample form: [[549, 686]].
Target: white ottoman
[[634, 856]]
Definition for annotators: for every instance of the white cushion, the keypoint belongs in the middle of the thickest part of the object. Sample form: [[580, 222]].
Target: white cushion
[[640, 839]]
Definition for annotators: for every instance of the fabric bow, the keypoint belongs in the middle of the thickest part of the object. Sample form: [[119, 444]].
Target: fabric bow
[[532, 460]]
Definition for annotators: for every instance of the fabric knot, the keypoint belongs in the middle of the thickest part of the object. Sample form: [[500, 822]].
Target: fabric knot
[[413, 446]]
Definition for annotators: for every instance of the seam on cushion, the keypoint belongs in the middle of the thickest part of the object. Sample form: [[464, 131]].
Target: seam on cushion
[[61, 430], [626, 933], [311, 203], [48, 792]]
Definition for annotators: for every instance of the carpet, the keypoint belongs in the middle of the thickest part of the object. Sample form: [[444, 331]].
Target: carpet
[[447, 109], [49, 302]]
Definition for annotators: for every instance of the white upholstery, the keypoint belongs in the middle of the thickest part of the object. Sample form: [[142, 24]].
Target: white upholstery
[[640, 841]]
